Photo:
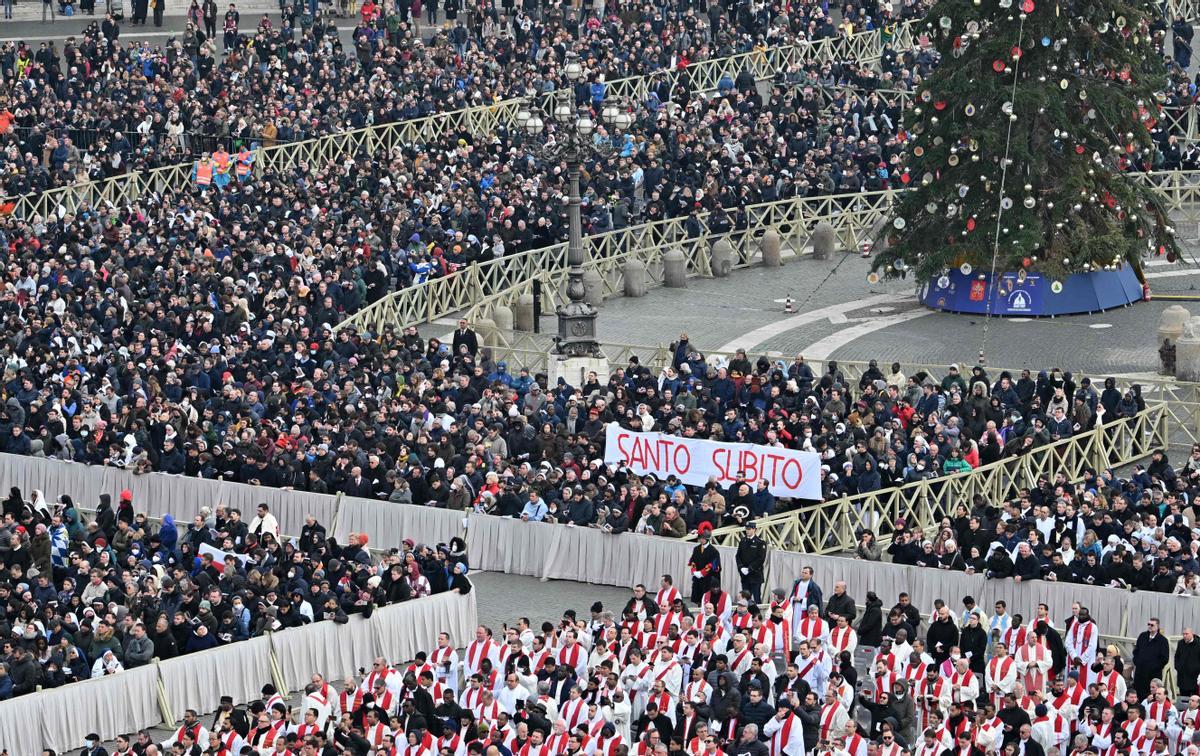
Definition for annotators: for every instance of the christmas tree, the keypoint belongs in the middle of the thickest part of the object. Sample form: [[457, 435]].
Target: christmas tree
[[1024, 139]]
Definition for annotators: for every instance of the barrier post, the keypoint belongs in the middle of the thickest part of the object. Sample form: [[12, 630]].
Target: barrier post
[[337, 510], [164, 705], [276, 673]]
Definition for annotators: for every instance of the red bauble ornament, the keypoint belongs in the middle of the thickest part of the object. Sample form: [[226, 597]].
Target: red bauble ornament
[[970, 224], [1026, 262]]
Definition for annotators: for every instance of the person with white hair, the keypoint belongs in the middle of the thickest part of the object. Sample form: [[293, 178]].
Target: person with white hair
[[107, 664]]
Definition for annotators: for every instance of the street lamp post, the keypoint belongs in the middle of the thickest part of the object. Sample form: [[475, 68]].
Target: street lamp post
[[573, 142]]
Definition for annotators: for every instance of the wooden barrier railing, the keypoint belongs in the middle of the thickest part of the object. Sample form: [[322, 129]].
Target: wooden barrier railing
[[830, 527], [482, 120], [480, 288], [484, 286]]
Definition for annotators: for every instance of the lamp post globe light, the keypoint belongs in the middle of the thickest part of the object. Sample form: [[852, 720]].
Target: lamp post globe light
[[568, 134]]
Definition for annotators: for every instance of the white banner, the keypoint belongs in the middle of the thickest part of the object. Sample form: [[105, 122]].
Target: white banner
[[790, 473]]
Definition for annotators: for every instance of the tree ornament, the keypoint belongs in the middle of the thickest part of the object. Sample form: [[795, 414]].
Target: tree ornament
[[1107, 132]]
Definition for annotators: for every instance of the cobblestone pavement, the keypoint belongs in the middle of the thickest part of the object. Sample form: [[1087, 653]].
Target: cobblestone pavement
[[841, 316], [502, 598]]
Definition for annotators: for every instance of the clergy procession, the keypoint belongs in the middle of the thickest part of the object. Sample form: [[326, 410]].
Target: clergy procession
[[806, 672]]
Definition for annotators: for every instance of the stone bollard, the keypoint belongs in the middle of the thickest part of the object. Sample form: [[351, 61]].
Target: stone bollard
[[1170, 328], [770, 246], [503, 315], [674, 269], [721, 258], [1187, 352], [634, 274], [593, 287], [824, 241], [523, 313], [486, 330]]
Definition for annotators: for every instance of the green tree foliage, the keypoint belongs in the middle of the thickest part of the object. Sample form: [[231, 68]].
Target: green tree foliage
[[1069, 91]]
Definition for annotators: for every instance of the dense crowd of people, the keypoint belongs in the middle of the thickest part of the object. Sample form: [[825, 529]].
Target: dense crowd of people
[[181, 332], [82, 598], [103, 106], [1134, 533], [805, 672], [191, 332]]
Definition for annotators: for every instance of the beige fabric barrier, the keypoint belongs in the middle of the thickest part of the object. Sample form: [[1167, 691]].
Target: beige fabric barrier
[[21, 726], [1118, 612], [128, 701], [336, 651], [124, 702], [587, 555], [158, 494], [404, 629], [388, 524], [60, 718], [1174, 612], [197, 681], [394, 632]]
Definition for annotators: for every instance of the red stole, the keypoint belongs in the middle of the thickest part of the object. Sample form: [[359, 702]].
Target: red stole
[[783, 735], [828, 712]]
